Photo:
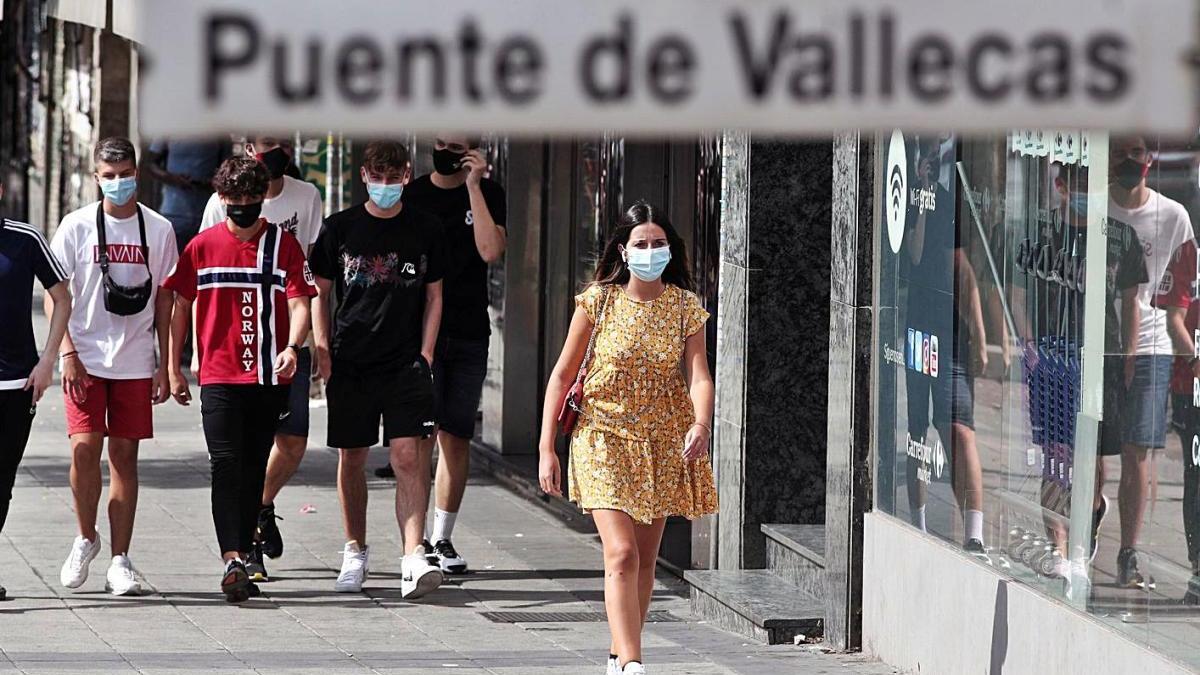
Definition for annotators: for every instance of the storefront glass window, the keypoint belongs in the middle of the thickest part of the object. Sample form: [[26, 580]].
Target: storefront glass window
[[1049, 430]]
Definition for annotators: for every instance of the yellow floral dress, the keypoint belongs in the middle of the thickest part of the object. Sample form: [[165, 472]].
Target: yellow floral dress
[[627, 450]]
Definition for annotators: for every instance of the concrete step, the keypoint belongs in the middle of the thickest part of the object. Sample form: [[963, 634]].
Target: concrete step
[[797, 554], [756, 604]]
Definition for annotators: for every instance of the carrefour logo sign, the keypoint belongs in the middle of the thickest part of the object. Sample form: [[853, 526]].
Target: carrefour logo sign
[[896, 199]]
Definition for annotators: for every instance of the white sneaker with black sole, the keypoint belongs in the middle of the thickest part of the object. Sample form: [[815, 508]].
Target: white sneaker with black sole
[[122, 577], [75, 570], [419, 577], [356, 564], [633, 668], [448, 558]]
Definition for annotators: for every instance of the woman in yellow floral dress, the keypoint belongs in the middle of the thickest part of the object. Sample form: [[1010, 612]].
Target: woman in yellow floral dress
[[640, 450]]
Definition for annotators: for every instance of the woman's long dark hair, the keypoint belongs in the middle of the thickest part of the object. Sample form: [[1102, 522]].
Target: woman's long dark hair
[[612, 269]]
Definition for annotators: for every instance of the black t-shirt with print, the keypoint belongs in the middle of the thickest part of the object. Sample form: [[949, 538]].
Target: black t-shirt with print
[[379, 268], [466, 286], [1124, 268]]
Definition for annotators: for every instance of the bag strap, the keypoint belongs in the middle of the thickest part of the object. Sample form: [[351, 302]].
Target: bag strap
[[102, 238], [587, 355]]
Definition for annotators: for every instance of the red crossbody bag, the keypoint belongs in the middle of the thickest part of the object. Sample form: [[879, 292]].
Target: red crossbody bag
[[572, 403]]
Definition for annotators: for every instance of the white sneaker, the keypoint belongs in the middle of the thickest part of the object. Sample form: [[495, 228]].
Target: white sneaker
[[356, 562], [122, 578], [418, 576], [634, 668], [614, 666], [75, 570]]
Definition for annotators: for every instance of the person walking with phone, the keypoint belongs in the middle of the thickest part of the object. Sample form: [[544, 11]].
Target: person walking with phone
[[116, 253], [639, 447]]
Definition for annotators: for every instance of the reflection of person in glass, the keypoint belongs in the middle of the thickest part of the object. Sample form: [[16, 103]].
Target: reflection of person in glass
[[1163, 225], [943, 304], [1062, 244], [1179, 299]]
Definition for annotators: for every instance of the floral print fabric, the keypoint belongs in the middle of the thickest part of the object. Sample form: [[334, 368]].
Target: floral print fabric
[[627, 451]]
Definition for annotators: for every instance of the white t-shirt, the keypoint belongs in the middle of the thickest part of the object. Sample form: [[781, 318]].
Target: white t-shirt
[[296, 209], [1162, 225], [112, 346]]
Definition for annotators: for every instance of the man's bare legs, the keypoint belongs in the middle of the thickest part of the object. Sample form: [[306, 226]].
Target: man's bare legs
[[285, 460], [87, 485], [411, 460], [352, 492]]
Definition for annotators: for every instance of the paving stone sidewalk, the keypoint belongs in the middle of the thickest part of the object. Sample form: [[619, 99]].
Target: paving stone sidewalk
[[525, 560]]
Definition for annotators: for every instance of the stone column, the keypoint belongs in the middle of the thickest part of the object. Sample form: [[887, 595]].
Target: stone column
[[848, 472], [773, 338]]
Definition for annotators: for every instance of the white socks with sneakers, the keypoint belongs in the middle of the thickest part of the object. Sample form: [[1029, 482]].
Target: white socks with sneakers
[[443, 525]]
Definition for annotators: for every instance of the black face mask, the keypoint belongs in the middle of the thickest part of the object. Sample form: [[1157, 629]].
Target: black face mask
[[446, 162], [1128, 173], [276, 161], [244, 215]]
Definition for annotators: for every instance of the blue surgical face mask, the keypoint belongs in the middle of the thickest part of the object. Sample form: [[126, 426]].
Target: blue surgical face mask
[[385, 195], [648, 264], [119, 190]]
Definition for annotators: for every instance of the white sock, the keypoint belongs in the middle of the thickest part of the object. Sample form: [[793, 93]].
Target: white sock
[[974, 523], [443, 525], [919, 518]]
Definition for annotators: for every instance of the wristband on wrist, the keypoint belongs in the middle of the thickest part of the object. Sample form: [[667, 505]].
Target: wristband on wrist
[[68, 354], [702, 424]]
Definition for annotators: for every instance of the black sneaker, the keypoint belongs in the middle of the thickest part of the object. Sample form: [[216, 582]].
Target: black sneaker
[[268, 532], [448, 558], [253, 591], [235, 584], [3, 594], [1128, 574], [975, 548], [1191, 596], [1097, 520], [255, 568], [385, 471], [430, 554]]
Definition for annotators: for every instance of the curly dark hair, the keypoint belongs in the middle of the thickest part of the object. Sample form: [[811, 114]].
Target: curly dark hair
[[241, 177]]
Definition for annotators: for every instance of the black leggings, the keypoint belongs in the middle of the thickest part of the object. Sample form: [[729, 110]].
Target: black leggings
[[239, 424], [16, 419]]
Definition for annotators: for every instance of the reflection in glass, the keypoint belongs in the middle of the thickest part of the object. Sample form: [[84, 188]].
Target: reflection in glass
[[1060, 400]]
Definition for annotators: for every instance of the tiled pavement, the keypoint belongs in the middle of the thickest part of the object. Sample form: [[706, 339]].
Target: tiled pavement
[[524, 560]]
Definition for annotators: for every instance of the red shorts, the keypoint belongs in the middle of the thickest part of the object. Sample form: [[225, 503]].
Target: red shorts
[[118, 408]]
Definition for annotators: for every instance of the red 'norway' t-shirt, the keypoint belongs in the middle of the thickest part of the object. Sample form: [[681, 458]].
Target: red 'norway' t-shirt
[[1178, 289], [239, 328]]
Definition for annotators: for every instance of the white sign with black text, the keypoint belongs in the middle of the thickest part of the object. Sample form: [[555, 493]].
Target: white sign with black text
[[665, 66]]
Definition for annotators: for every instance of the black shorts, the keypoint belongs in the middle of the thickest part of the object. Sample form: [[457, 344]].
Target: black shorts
[[296, 422], [459, 369], [361, 396], [953, 398]]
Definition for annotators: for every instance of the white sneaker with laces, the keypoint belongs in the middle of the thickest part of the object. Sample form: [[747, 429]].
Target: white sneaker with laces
[[614, 666], [75, 570], [634, 668], [356, 563], [418, 576], [122, 577]]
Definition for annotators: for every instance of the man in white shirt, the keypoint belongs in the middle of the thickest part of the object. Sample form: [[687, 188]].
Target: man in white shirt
[[1162, 225], [110, 375], [295, 206]]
